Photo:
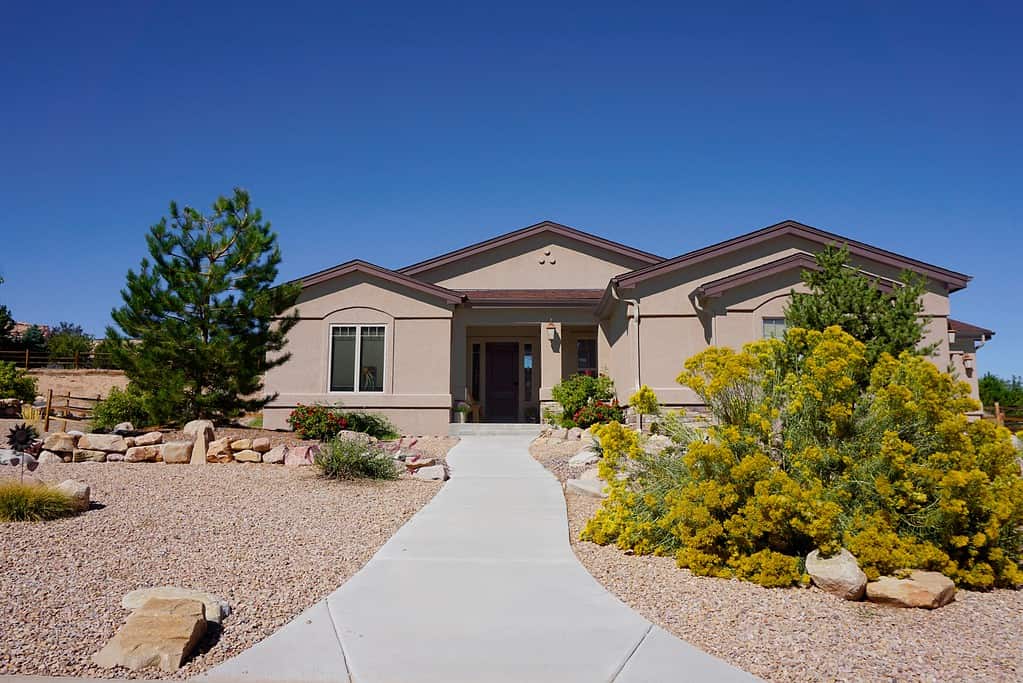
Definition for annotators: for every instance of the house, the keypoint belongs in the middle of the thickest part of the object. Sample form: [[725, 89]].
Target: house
[[501, 322]]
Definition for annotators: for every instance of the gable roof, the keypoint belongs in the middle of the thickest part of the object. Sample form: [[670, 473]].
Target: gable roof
[[537, 229], [801, 260], [953, 280], [358, 266]]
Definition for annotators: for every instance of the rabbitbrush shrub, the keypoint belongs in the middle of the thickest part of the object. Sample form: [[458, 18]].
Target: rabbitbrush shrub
[[21, 502], [803, 457], [354, 459]]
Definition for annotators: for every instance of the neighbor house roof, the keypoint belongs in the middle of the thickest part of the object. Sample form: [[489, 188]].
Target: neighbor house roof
[[953, 280], [549, 227], [968, 330], [533, 297], [357, 266], [801, 261]]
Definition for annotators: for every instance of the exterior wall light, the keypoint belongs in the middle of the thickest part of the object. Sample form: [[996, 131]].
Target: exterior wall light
[[551, 330], [951, 336], [968, 362]]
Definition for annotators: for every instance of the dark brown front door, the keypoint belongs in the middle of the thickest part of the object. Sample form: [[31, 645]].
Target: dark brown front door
[[502, 399]]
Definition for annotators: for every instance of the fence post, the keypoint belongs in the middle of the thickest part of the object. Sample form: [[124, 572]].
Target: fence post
[[76, 360], [26, 360], [49, 402], [999, 416]]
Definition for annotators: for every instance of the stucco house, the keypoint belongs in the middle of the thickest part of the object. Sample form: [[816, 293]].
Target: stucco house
[[499, 323]]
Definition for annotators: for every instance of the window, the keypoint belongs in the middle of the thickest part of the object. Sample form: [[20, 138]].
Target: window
[[357, 355], [586, 357], [527, 369], [475, 390], [774, 328]]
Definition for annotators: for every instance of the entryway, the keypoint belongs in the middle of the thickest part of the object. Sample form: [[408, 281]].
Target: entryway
[[502, 393]]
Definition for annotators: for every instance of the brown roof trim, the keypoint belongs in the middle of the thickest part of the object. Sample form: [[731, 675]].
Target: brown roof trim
[[447, 295], [952, 279], [801, 260], [969, 330], [544, 298], [529, 231]]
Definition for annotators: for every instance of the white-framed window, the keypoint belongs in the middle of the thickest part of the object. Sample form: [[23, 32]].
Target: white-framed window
[[774, 328], [357, 358]]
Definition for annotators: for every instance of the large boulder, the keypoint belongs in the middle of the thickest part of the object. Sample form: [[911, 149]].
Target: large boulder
[[584, 458], [301, 455], [77, 491], [149, 439], [276, 455], [248, 455], [219, 450], [88, 455], [215, 608], [575, 433], [839, 574], [142, 454], [592, 474], [177, 452], [50, 458], [109, 443], [202, 434], [928, 590], [161, 633], [261, 444], [59, 442]]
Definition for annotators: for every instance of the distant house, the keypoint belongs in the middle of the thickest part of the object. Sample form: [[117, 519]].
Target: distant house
[[499, 323]]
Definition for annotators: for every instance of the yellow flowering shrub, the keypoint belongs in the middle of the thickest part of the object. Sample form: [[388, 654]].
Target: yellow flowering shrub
[[802, 456]]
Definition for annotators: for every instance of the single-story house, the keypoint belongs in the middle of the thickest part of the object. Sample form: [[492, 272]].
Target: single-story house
[[499, 323]]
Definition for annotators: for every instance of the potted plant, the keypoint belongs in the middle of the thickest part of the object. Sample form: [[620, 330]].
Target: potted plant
[[462, 410]]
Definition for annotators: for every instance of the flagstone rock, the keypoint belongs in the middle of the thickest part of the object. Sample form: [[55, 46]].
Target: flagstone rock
[[162, 633], [59, 442], [839, 574], [149, 439], [109, 443], [248, 456], [77, 491], [215, 607], [928, 590], [88, 455], [276, 455], [142, 454], [177, 452]]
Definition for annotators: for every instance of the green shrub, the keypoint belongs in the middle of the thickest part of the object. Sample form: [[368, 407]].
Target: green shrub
[[353, 459], [123, 405], [804, 457], [16, 383], [322, 423], [32, 503], [580, 390]]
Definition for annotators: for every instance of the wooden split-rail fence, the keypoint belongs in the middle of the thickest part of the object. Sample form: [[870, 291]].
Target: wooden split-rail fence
[[68, 408]]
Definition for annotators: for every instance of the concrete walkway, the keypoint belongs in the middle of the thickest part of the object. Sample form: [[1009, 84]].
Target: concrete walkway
[[480, 585]]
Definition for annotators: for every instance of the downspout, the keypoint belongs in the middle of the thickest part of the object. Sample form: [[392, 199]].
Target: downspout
[[635, 338]]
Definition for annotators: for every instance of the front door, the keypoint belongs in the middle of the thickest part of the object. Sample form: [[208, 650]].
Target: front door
[[502, 393]]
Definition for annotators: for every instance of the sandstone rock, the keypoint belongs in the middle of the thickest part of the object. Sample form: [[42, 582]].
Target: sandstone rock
[[215, 608], [361, 437], [49, 458], [87, 455], [161, 633], [655, 443], [109, 443], [176, 452], [129, 441], [584, 458], [928, 590], [149, 439], [575, 433], [431, 473], [241, 445], [558, 433], [124, 428], [275, 455], [594, 488], [142, 454], [839, 575], [419, 463], [301, 455], [77, 434], [202, 434], [261, 444], [248, 456], [59, 442], [590, 475], [219, 450], [77, 491], [115, 457]]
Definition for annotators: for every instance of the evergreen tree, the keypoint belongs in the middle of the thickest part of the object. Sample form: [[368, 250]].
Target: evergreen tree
[[33, 339], [203, 314], [66, 340], [6, 322], [841, 295]]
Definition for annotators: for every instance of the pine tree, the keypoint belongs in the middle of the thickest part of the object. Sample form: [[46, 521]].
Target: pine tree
[[841, 295], [202, 316], [6, 322]]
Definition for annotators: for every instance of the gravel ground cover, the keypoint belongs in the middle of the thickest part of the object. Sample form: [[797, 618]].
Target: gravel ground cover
[[804, 634], [269, 539], [553, 453]]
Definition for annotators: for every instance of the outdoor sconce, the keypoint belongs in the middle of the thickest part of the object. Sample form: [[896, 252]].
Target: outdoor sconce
[[951, 336], [551, 331], [968, 363]]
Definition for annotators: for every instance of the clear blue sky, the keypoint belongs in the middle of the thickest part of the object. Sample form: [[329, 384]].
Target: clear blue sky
[[395, 132]]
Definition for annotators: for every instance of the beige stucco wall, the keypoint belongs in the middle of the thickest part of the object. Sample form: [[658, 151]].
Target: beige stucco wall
[[416, 379], [568, 265]]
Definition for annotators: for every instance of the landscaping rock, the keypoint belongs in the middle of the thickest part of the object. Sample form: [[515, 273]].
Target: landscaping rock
[[149, 439], [88, 455], [8, 456], [49, 458], [301, 455], [591, 474], [419, 463], [839, 574], [124, 428], [584, 458], [928, 590], [261, 444], [431, 473], [215, 608], [558, 433], [575, 433], [275, 455], [248, 456], [202, 434], [115, 457], [219, 450], [142, 454], [109, 443], [161, 633], [129, 441], [241, 445], [361, 437], [77, 491], [594, 488], [655, 443], [77, 434], [59, 442], [177, 452]]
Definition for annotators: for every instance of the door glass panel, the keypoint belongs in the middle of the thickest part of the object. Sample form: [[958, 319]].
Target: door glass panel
[[475, 390], [527, 370], [586, 357], [342, 359], [371, 359]]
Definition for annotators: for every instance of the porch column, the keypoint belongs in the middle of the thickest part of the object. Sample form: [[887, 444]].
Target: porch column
[[550, 361]]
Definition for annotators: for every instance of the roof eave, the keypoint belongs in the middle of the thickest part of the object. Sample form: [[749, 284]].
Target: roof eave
[[447, 295]]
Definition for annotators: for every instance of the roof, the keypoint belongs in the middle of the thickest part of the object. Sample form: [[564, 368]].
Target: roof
[[357, 266], [524, 233], [802, 261], [533, 297], [953, 280], [968, 330]]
